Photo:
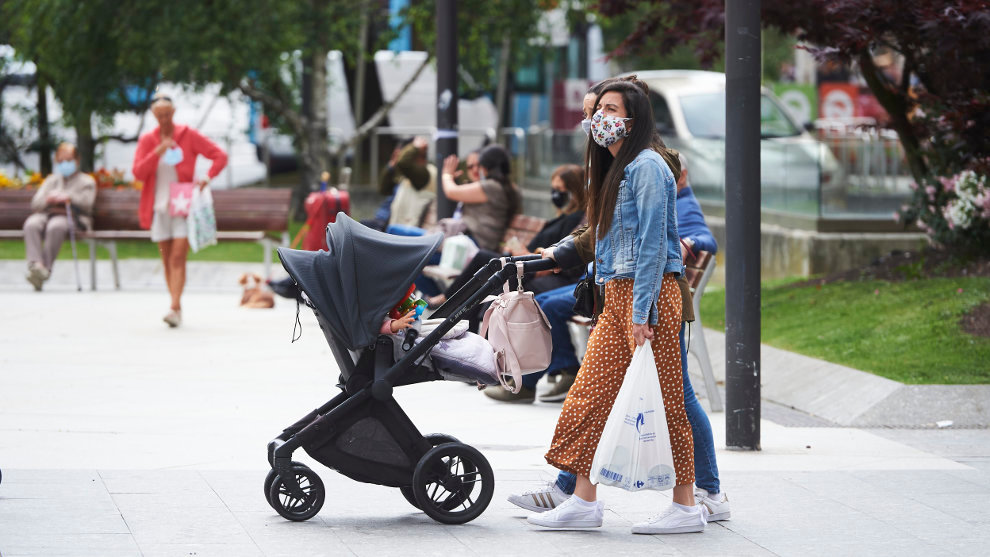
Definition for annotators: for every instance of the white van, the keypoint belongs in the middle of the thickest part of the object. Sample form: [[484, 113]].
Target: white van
[[689, 109]]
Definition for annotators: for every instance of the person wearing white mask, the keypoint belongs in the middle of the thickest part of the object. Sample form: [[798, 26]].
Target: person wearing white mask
[[46, 228], [167, 155]]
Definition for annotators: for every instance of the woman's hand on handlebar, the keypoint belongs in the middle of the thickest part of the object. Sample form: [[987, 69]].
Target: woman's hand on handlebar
[[547, 253]]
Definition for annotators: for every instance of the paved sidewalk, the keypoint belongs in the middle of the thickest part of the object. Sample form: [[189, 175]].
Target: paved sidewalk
[[121, 437]]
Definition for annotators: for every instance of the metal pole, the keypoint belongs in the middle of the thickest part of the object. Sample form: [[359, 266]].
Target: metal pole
[[446, 139], [742, 224]]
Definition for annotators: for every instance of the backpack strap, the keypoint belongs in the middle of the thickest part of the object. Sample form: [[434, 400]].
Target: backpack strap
[[483, 331]]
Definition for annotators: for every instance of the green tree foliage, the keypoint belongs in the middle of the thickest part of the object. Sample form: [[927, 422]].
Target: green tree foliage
[[81, 49], [482, 27], [778, 47], [939, 105], [271, 50]]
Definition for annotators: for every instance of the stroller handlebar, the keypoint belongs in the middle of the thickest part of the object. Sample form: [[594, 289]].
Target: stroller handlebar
[[533, 263], [538, 264], [527, 257]]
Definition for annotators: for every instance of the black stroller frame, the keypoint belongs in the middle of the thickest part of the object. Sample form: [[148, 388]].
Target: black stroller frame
[[365, 435]]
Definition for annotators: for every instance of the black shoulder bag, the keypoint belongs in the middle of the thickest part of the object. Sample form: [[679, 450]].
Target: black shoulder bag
[[588, 296]]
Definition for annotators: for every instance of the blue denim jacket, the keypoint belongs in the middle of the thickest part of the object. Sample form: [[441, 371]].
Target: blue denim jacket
[[642, 243]]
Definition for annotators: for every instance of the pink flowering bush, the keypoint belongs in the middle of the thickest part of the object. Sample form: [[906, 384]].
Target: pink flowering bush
[[953, 211]]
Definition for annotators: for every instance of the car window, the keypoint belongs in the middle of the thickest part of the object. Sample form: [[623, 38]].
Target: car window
[[773, 121], [661, 113], [704, 114]]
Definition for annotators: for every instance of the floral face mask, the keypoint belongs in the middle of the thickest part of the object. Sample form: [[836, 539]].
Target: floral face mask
[[606, 130]]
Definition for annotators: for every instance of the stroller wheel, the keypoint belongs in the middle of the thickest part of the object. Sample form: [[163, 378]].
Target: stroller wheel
[[434, 439], [298, 506], [453, 483], [270, 479]]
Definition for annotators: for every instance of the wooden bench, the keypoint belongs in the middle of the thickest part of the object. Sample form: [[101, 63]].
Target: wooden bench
[[523, 227], [243, 215], [698, 271]]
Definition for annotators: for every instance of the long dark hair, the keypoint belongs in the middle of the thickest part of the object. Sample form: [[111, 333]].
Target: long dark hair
[[498, 166], [573, 178], [604, 170]]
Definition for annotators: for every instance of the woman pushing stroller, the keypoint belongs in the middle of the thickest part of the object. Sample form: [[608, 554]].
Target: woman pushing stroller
[[633, 230]]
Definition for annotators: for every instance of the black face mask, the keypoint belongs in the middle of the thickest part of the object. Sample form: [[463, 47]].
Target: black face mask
[[559, 198]]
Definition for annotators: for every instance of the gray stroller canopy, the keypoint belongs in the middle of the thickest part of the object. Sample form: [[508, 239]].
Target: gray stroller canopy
[[363, 275]]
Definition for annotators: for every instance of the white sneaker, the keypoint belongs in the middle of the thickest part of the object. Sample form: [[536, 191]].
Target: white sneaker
[[717, 505], [572, 514], [173, 318], [674, 521], [37, 275], [539, 500]]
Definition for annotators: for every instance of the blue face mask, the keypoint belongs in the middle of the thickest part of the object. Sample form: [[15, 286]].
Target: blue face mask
[[66, 168], [172, 156], [586, 126]]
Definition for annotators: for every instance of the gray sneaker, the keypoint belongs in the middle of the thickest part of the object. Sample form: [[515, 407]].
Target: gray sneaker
[[499, 393], [540, 500], [559, 388]]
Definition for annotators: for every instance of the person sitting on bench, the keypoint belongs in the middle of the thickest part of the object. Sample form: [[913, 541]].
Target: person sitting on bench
[[48, 225]]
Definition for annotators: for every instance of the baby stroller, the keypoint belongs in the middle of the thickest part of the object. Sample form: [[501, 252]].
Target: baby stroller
[[362, 432]]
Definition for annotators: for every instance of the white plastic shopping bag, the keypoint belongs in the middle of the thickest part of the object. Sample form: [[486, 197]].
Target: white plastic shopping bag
[[201, 224], [634, 451], [457, 252]]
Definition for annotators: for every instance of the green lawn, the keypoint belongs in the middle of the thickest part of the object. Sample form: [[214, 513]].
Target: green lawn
[[906, 331]]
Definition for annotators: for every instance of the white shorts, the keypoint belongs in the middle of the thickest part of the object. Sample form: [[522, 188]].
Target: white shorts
[[166, 227]]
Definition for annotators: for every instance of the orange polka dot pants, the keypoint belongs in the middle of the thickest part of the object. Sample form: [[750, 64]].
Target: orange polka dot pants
[[610, 350]]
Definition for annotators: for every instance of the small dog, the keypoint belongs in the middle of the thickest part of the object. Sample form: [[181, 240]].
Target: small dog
[[255, 294]]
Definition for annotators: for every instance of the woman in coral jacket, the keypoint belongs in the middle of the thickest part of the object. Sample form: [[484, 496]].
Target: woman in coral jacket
[[164, 156]]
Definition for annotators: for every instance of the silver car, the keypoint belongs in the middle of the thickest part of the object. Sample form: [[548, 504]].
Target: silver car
[[797, 170]]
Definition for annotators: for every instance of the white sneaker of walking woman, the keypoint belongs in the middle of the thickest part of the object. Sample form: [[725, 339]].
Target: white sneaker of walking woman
[[173, 318], [717, 504], [573, 514], [677, 519]]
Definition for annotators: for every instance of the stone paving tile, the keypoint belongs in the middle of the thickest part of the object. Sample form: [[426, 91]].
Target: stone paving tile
[[195, 525], [28, 518], [110, 457], [277, 537], [200, 550], [54, 544]]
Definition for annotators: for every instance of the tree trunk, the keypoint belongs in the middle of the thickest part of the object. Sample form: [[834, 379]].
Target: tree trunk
[[360, 70], [313, 145], [896, 106], [84, 141], [501, 98], [44, 130]]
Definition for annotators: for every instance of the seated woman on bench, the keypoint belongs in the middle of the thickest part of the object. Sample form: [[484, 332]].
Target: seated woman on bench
[[48, 225], [567, 193], [488, 205]]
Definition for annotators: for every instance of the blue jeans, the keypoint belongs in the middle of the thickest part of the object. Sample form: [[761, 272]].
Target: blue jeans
[[705, 467], [425, 284], [558, 305]]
